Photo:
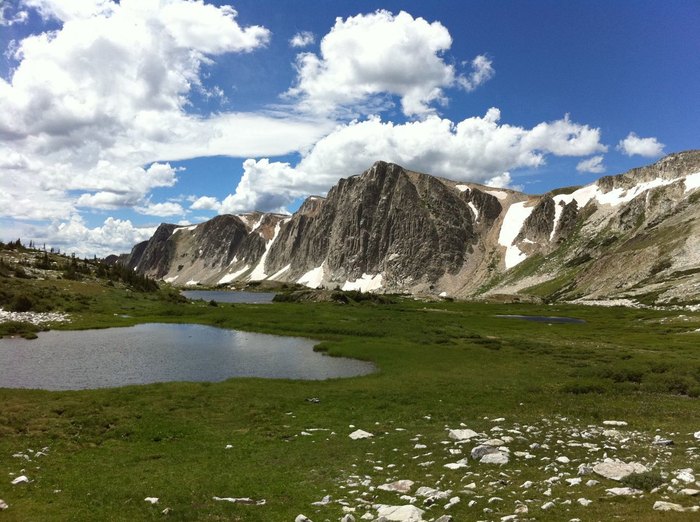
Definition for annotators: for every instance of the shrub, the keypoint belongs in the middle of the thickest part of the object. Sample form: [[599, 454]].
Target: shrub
[[21, 303], [645, 481]]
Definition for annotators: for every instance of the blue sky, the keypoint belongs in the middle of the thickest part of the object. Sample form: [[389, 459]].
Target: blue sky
[[116, 117]]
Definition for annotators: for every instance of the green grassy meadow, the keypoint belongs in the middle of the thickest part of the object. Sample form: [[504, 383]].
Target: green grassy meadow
[[439, 364]]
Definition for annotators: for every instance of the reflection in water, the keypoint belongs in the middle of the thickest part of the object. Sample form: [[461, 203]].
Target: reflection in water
[[229, 296], [147, 353]]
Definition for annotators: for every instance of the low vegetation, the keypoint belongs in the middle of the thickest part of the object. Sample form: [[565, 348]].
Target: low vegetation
[[439, 364]]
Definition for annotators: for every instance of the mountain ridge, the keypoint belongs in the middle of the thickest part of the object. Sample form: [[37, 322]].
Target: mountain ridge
[[390, 229]]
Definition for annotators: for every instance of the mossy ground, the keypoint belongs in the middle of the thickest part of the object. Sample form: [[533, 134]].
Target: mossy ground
[[439, 364]]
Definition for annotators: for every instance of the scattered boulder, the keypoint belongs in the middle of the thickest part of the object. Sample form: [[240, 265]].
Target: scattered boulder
[[22, 479], [481, 450], [3, 504], [400, 486], [360, 434], [302, 518], [151, 500], [614, 423], [347, 518], [617, 470], [498, 457], [461, 434], [660, 505], [624, 492], [426, 492], [405, 513]]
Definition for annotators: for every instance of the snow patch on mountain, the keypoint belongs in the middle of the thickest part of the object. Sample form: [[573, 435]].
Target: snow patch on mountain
[[312, 278], [512, 224], [366, 283]]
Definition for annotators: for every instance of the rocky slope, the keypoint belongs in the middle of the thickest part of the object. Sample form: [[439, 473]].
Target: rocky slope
[[633, 236]]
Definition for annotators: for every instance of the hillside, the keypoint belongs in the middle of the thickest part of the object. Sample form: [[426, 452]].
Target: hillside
[[633, 236]]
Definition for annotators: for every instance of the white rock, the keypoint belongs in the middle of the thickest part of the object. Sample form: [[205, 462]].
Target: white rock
[[323, 502], [462, 463], [425, 491], [527, 484], [302, 518], [420, 446], [685, 475], [563, 460], [690, 492], [547, 505], [495, 458], [3, 504], [360, 434], [616, 470], [574, 481], [347, 518], [584, 502], [152, 500], [624, 492], [22, 479], [509, 518], [697, 435], [401, 513], [461, 434], [591, 483], [521, 509], [660, 505], [400, 486], [614, 423], [452, 502]]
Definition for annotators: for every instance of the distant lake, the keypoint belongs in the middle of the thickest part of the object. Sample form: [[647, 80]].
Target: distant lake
[[229, 296], [544, 319], [148, 353]]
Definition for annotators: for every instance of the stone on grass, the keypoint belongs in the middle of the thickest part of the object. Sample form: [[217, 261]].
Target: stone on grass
[[3, 504], [22, 479], [461, 434], [547, 505], [481, 450], [685, 475], [495, 458], [660, 505], [406, 513], [151, 500], [690, 492], [347, 518], [444, 518], [614, 423], [617, 470], [425, 491], [360, 434], [584, 502], [400, 486], [624, 492], [461, 463], [302, 518]]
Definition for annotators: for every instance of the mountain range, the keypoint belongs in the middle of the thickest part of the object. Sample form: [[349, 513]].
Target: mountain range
[[633, 236]]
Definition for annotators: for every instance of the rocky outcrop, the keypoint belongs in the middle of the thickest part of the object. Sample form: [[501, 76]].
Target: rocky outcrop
[[393, 230]]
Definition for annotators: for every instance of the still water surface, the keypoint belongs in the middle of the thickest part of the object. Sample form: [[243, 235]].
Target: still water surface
[[544, 319], [229, 296], [148, 353]]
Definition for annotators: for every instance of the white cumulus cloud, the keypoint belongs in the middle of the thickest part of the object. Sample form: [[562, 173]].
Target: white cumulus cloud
[[86, 108], [206, 203], [368, 56], [479, 149], [633, 145], [482, 71], [593, 164], [302, 39]]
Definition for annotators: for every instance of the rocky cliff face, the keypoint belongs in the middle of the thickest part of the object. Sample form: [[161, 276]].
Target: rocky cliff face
[[391, 230]]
